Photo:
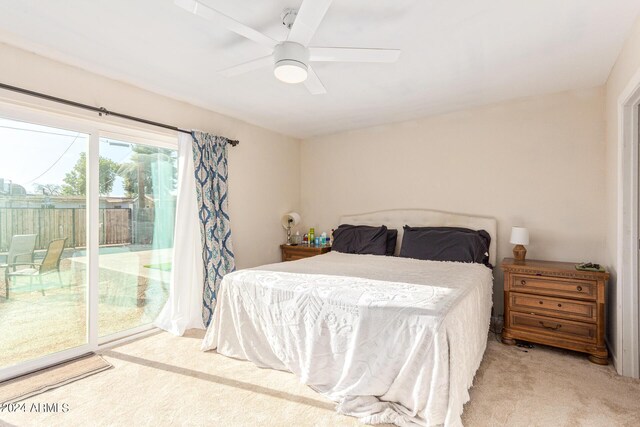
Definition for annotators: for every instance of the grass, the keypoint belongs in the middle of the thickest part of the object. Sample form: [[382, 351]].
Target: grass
[[165, 266]]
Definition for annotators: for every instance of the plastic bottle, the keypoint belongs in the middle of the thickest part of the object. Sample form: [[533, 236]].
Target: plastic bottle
[[305, 239], [312, 236], [323, 239]]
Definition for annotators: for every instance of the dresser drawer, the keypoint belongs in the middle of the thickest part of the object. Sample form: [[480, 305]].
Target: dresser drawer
[[572, 309], [553, 326], [295, 256], [293, 253], [554, 286]]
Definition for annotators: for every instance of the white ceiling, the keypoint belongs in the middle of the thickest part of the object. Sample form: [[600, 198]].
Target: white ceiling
[[455, 54]]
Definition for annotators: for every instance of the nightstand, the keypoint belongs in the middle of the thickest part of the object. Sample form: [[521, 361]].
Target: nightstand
[[292, 253], [552, 303]]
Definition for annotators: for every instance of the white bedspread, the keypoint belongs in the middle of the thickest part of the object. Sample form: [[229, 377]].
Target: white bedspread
[[391, 340]]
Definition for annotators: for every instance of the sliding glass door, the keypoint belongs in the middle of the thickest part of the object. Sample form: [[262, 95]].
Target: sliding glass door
[[87, 216], [137, 215], [43, 205]]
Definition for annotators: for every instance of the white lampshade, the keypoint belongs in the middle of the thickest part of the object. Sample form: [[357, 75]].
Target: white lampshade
[[290, 220], [519, 236]]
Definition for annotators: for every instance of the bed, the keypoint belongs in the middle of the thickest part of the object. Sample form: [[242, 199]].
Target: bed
[[389, 339]]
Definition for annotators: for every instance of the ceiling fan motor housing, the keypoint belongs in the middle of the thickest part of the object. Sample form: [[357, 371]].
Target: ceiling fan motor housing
[[290, 62], [291, 53]]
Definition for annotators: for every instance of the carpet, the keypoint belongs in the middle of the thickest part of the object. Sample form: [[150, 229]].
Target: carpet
[[546, 386], [165, 380], [26, 386]]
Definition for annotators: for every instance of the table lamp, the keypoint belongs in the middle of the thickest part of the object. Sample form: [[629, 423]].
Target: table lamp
[[289, 221], [519, 237]]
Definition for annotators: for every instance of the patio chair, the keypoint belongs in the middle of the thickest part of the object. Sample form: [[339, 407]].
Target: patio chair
[[21, 250], [50, 264]]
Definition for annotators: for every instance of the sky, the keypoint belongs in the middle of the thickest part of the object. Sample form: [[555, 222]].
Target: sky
[[32, 154]]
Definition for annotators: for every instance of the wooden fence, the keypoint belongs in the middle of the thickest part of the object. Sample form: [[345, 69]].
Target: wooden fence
[[56, 223]]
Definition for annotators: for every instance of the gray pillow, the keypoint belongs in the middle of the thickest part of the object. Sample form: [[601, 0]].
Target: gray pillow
[[360, 239], [446, 244]]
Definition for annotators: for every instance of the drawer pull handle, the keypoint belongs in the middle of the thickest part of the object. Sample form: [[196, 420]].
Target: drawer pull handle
[[579, 288], [558, 326], [559, 305], [541, 302], [523, 282]]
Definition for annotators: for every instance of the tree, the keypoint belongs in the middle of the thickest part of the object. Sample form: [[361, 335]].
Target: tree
[[137, 174], [75, 182], [48, 189]]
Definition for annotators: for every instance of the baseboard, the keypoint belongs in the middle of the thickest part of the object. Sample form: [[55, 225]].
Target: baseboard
[[612, 354]]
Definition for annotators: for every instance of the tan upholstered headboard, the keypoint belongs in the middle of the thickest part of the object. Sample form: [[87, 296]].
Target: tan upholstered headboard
[[397, 218]]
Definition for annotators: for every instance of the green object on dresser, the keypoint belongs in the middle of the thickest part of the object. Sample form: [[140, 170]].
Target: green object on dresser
[[588, 266]]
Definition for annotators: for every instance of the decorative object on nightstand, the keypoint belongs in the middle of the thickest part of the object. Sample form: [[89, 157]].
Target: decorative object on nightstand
[[555, 304], [292, 253], [296, 239], [289, 221], [519, 237]]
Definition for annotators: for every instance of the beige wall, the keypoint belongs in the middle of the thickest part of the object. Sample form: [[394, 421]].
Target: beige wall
[[627, 64], [536, 162], [263, 169]]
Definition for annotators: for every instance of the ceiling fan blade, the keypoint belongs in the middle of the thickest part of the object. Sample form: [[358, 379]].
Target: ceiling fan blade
[[307, 21], [247, 66], [198, 8], [353, 54], [313, 83]]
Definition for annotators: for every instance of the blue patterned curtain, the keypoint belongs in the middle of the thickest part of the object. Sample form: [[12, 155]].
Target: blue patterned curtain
[[210, 162]]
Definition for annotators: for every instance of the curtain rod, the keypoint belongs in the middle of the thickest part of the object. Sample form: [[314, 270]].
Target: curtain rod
[[100, 110]]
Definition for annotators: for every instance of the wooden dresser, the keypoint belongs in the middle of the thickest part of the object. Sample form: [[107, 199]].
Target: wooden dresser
[[292, 253], [552, 303]]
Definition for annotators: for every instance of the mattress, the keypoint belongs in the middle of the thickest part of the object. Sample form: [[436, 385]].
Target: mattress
[[390, 340]]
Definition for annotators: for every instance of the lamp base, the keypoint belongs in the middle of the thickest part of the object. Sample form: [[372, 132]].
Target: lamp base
[[519, 252]]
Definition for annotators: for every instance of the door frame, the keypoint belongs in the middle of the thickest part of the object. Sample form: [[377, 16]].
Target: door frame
[[627, 320], [15, 109]]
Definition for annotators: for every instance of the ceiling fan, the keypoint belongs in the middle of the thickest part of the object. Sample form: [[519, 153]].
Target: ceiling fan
[[291, 58]]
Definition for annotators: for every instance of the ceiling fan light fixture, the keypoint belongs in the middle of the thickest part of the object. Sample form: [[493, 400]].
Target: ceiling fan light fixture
[[290, 62], [290, 71]]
